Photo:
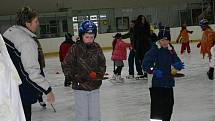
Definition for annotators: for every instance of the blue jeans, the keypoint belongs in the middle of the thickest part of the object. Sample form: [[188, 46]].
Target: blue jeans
[[131, 59]]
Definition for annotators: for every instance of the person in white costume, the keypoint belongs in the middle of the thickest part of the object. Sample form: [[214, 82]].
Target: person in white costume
[[10, 102], [26, 54]]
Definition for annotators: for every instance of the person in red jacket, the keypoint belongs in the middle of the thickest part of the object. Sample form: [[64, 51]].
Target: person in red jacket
[[118, 55], [64, 48]]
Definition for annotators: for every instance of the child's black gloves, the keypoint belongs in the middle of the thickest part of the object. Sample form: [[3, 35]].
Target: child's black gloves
[[210, 73]]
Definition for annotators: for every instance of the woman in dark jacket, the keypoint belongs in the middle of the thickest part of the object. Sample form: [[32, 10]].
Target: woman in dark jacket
[[141, 40]]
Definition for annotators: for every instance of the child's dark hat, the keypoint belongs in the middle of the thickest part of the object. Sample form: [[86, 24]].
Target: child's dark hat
[[164, 33], [117, 36]]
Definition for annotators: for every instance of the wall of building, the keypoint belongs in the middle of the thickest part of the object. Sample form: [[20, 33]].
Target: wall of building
[[167, 15]]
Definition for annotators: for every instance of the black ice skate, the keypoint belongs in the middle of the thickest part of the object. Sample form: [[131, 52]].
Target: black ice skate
[[43, 104], [141, 77]]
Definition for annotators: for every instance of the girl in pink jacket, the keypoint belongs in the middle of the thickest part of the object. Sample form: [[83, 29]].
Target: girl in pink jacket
[[118, 55]]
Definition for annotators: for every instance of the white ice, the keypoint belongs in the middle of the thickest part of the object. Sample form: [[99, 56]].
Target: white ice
[[130, 101]]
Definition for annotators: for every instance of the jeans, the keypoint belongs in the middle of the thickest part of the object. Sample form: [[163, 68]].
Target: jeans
[[131, 59]]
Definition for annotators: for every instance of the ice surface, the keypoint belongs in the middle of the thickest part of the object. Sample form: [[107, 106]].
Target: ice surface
[[130, 101]]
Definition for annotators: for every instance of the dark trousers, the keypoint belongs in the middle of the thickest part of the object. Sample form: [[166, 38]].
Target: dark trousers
[[162, 101], [185, 46], [67, 80], [27, 111], [139, 62], [131, 59], [118, 70], [40, 98]]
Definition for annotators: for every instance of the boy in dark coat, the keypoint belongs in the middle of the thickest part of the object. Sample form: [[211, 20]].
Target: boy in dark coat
[[158, 61], [85, 65]]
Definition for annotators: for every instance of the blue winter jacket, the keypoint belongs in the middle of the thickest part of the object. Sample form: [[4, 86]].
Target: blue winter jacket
[[162, 59]]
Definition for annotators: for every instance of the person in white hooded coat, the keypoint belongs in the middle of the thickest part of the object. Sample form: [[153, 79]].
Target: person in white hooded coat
[[10, 102]]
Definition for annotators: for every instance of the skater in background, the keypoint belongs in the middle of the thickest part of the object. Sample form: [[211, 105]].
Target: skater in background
[[64, 48], [183, 38], [141, 41], [207, 46], [25, 52], [131, 57], [158, 61], [85, 64], [118, 55], [207, 41]]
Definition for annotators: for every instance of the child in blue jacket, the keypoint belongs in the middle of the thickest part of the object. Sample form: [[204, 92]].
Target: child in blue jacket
[[158, 61]]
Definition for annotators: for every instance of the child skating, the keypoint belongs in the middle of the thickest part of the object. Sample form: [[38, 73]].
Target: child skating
[[118, 55], [183, 38], [207, 46], [85, 64], [158, 62]]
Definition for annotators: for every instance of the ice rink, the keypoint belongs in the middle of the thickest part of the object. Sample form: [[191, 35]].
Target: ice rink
[[130, 101]]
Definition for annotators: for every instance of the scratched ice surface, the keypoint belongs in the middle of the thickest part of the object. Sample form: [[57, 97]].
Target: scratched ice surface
[[130, 101]]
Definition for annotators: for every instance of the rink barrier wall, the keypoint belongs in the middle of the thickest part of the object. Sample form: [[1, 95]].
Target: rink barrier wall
[[51, 45]]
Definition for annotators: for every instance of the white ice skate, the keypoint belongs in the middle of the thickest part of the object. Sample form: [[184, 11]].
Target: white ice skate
[[119, 79], [116, 79], [113, 77]]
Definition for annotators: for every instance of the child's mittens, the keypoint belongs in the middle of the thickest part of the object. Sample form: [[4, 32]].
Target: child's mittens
[[158, 73], [210, 73], [92, 75], [178, 65], [198, 45]]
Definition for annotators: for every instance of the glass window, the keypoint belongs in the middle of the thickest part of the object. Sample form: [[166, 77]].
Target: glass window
[[103, 17], [149, 18], [82, 18], [93, 17], [75, 28], [53, 26], [65, 26], [49, 29], [75, 19], [122, 24], [44, 29]]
